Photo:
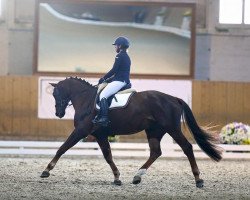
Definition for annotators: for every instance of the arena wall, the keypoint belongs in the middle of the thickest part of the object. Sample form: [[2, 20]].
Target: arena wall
[[217, 103]]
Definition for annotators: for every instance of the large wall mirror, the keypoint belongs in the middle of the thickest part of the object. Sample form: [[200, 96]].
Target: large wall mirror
[[76, 37]]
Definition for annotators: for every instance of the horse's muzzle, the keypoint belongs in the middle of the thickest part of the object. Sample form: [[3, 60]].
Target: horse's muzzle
[[60, 115]]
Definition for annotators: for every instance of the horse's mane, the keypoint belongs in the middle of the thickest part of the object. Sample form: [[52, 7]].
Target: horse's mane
[[81, 80]]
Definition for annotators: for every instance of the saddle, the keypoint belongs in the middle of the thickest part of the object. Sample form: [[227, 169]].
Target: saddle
[[118, 100]]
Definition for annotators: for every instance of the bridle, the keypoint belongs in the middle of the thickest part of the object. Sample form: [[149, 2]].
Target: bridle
[[61, 102]]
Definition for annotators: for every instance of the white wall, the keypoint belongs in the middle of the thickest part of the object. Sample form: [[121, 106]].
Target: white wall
[[219, 55], [16, 37], [20, 52], [3, 51], [222, 52], [203, 54], [230, 58], [3, 41]]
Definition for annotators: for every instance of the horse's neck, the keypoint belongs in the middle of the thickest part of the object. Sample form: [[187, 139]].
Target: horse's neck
[[83, 97]]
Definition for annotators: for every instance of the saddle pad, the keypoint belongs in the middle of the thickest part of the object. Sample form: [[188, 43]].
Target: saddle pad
[[119, 101], [103, 85]]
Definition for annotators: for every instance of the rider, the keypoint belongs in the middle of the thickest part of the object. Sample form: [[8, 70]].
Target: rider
[[118, 77]]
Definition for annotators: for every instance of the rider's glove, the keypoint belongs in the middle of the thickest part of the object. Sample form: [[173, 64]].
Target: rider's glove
[[101, 80]]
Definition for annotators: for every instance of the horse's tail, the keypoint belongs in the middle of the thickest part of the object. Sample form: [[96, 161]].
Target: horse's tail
[[205, 140]]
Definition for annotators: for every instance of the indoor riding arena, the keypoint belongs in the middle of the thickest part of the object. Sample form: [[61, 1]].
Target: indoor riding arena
[[180, 130]]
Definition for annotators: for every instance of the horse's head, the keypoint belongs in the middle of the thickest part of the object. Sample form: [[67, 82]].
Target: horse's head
[[71, 89], [62, 99]]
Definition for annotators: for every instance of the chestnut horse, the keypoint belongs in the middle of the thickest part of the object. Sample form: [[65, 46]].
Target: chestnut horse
[[155, 112]]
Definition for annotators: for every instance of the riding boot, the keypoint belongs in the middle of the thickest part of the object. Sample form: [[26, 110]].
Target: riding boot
[[102, 119], [97, 117]]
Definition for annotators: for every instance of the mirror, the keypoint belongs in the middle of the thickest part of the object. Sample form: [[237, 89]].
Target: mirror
[[76, 37]]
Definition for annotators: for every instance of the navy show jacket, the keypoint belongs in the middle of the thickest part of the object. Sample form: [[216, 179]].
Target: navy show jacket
[[121, 68]]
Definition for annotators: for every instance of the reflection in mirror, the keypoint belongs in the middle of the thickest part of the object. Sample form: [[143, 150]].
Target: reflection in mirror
[[77, 37]]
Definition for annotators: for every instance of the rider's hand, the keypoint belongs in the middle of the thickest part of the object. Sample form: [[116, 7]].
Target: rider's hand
[[101, 80]]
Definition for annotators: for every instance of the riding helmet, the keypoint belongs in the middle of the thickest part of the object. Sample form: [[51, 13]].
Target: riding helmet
[[122, 41]]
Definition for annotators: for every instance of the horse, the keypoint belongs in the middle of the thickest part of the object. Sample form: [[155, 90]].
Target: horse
[[155, 112]]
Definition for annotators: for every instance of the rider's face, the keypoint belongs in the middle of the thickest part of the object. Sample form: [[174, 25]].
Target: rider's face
[[117, 48]]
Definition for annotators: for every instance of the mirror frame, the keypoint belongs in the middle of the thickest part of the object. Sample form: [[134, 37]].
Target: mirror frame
[[192, 5]]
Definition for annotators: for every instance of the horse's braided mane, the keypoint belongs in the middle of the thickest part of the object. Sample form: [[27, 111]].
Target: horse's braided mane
[[80, 80]]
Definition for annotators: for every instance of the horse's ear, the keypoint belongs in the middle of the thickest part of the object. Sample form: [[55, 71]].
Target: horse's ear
[[53, 84]]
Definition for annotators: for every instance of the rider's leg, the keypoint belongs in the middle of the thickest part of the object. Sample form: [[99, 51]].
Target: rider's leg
[[109, 90]]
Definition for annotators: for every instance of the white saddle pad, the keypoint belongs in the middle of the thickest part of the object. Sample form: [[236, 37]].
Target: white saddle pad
[[120, 100]]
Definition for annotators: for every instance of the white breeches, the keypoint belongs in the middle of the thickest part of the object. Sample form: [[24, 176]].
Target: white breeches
[[111, 89]]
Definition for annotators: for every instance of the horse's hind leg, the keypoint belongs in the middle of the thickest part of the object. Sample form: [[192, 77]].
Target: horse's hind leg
[[188, 150], [70, 142], [106, 150], [154, 138]]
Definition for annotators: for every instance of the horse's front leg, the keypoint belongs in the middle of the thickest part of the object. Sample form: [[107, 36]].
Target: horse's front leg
[[75, 136], [106, 150]]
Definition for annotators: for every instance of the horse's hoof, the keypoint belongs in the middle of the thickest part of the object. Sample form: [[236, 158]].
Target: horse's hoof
[[45, 174], [117, 182], [136, 180], [199, 183]]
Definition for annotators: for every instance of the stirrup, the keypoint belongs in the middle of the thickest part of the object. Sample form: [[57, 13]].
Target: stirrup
[[96, 119]]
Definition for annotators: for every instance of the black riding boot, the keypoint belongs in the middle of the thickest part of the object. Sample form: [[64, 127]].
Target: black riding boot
[[102, 118]]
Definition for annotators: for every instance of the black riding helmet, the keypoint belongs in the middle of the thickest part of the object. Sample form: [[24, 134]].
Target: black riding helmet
[[122, 41]]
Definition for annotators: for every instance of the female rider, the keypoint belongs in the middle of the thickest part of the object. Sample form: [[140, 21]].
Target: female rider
[[118, 77]]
